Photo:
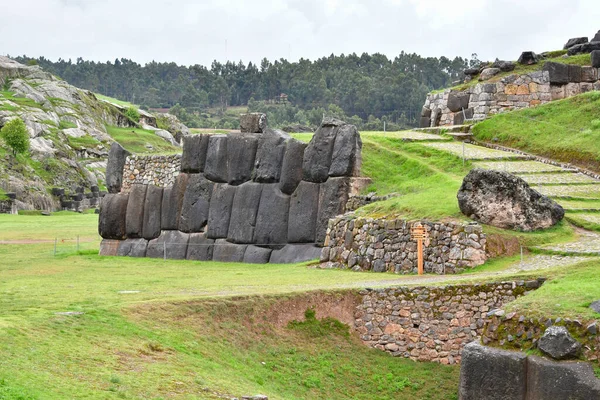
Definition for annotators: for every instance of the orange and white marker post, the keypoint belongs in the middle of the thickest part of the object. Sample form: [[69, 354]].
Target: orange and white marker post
[[419, 233]]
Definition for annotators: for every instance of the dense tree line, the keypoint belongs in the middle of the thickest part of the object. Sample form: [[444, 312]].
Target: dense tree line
[[366, 87]]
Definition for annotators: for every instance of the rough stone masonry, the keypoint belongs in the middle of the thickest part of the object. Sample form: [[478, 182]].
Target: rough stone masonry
[[257, 196]]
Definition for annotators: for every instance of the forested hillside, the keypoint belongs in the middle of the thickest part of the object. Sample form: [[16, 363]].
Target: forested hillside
[[370, 87]]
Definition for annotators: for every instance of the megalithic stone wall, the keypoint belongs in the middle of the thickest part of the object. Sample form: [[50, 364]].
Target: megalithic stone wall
[[244, 197]]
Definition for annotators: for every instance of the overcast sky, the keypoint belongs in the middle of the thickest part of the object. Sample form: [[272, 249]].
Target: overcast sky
[[198, 32]]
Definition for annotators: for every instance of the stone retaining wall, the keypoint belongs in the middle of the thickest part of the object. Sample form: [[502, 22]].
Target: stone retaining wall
[[380, 245], [358, 201], [431, 323], [159, 171], [557, 81]]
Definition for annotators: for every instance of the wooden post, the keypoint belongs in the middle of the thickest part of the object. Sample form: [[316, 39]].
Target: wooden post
[[420, 255], [419, 233]]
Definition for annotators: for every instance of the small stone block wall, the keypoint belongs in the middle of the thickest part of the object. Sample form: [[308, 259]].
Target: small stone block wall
[[380, 245], [154, 170], [431, 323]]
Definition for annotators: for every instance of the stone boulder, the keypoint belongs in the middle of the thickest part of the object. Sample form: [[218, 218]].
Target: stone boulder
[[114, 167], [303, 213], [135, 211], [318, 153], [253, 123], [241, 153], [596, 58], [584, 48], [558, 343], [291, 166], [346, 158], [171, 245], [199, 247], [243, 212], [491, 374], [272, 217], [504, 66], [194, 153], [228, 252], [215, 167], [152, 212], [219, 212], [528, 58], [172, 202], [195, 206], [547, 379], [596, 37], [458, 101], [575, 41], [489, 73], [471, 72], [257, 255], [504, 200], [595, 306], [558, 72], [113, 212], [269, 157], [132, 248]]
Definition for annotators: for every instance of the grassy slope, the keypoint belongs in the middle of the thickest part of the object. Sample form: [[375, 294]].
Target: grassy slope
[[566, 130], [136, 139], [115, 101]]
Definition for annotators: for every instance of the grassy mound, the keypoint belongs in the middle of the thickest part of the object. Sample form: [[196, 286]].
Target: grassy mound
[[566, 130], [136, 141]]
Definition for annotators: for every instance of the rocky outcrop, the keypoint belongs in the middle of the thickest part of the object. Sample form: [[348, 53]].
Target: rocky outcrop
[[245, 192], [504, 200]]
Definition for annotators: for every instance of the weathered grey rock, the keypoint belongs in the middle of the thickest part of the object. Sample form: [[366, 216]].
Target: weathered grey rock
[[572, 42], [194, 153], [219, 212], [426, 112], [135, 211], [172, 202], [272, 217], [241, 153], [152, 211], [257, 255], [596, 58], [346, 158], [172, 243], [595, 306], [576, 49], [504, 66], [471, 71], [269, 157], [318, 153], [596, 37], [554, 380], [491, 374], [196, 201], [333, 197], [291, 168], [500, 199], [575, 73], [458, 101], [113, 212], [114, 167], [243, 212], [133, 248], [424, 122], [558, 343], [253, 123], [528, 58], [200, 248], [489, 73], [460, 117], [228, 252], [295, 253], [584, 48], [109, 247], [215, 167], [559, 73], [304, 207]]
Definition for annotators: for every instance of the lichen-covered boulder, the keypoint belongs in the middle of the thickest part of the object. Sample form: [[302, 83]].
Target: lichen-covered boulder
[[504, 200]]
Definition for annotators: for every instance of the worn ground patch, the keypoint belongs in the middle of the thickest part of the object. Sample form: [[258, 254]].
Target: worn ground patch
[[518, 167], [472, 152]]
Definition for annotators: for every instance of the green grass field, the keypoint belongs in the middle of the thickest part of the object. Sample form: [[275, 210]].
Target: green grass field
[[135, 140], [115, 101], [565, 130]]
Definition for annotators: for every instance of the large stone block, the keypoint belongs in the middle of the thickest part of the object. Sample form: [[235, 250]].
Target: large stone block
[[559, 73], [304, 207], [425, 122], [575, 73], [219, 212], [172, 202], [194, 153], [243, 212], [241, 153], [596, 59], [458, 100], [215, 167], [135, 211], [269, 157], [272, 217], [133, 248], [170, 244], [253, 123], [491, 374], [528, 58], [558, 343], [291, 168], [590, 74], [196, 202], [200, 248], [228, 252], [295, 253], [152, 212], [109, 247], [114, 167], [113, 212], [333, 197], [346, 158], [257, 255], [461, 116], [318, 153], [560, 380], [574, 41]]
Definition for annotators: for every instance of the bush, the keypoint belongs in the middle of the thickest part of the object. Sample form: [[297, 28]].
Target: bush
[[15, 135], [133, 114]]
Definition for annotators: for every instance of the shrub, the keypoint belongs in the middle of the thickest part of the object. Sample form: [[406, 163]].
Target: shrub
[[133, 114], [15, 135]]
